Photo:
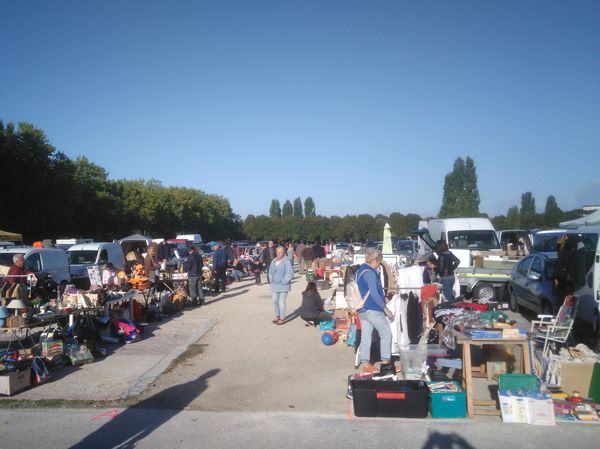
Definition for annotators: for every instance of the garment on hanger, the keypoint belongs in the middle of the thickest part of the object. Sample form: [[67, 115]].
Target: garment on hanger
[[410, 279], [414, 319], [399, 326]]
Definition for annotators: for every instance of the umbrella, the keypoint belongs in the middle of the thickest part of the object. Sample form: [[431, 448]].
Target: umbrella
[[387, 240]]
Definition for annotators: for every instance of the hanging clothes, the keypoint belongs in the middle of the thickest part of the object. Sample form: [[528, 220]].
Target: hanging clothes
[[414, 319], [410, 279], [399, 327]]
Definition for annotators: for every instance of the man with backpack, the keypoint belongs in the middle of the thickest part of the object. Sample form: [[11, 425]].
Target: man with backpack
[[373, 312]]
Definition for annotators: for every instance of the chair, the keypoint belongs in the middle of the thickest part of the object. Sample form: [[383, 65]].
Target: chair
[[555, 329]]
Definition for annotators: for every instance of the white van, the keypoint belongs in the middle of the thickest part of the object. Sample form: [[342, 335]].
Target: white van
[[94, 254], [44, 262], [194, 239], [464, 235]]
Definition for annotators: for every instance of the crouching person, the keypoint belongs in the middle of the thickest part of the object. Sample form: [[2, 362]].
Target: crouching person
[[311, 310]]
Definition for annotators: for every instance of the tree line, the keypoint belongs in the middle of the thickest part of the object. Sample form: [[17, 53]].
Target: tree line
[[48, 195]]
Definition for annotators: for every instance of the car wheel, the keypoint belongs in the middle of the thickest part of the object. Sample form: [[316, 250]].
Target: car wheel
[[514, 305], [546, 308], [484, 291]]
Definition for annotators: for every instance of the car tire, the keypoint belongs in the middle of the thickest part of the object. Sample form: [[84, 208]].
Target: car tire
[[513, 304], [484, 290]]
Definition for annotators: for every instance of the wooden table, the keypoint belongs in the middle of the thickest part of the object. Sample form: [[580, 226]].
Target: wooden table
[[467, 375]]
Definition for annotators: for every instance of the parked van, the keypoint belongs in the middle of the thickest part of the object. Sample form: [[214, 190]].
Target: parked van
[[45, 263], [93, 254], [194, 239], [464, 235]]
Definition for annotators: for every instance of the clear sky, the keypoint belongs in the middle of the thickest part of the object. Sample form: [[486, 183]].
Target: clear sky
[[363, 105]]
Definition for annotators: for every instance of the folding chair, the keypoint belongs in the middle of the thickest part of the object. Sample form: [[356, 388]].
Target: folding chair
[[555, 329]]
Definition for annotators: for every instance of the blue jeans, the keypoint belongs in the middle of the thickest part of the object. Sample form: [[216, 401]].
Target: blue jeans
[[448, 287], [369, 320], [195, 286], [279, 303]]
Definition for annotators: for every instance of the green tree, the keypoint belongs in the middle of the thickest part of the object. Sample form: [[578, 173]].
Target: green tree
[[499, 222], [552, 213], [275, 209], [461, 195], [309, 208], [513, 218], [298, 211], [287, 210], [527, 211]]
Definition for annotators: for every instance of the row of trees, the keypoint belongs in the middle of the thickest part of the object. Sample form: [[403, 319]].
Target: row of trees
[[526, 217], [461, 199], [293, 210], [348, 228], [48, 195]]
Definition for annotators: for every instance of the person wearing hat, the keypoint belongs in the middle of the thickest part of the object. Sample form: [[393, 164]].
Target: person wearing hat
[[219, 260]]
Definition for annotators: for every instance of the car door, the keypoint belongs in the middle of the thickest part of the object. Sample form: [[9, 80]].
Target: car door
[[519, 280], [534, 291]]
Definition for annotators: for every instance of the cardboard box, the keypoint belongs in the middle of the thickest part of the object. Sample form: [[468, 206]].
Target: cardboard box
[[576, 377], [14, 381]]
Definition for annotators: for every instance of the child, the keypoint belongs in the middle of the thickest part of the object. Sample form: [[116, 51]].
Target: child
[[257, 269]]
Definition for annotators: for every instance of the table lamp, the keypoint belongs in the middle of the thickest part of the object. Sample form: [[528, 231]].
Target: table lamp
[[16, 304]]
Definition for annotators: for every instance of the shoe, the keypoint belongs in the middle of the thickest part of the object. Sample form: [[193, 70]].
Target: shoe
[[369, 369], [275, 319], [279, 322]]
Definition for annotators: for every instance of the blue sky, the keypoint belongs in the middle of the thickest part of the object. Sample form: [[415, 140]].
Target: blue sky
[[363, 105]]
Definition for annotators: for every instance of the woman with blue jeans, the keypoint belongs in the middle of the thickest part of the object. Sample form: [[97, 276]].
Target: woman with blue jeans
[[447, 263], [280, 273], [373, 314]]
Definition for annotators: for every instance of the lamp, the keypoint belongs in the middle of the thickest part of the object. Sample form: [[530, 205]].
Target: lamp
[[17, 304]]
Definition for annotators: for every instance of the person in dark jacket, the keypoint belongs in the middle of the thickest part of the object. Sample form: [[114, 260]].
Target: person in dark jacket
[[311, 309], [219, 259], [265, 259], [564, 268], [430, 273], [447, 263], [319, 252], [194, 266]]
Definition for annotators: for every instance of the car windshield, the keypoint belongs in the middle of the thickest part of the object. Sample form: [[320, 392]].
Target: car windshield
[[405, 246], [82, 257], [473, 240], [546, 243], [6, 259], [341, 245]]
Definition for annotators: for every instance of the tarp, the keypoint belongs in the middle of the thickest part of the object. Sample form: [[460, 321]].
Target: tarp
[[11, 236], [137, 237], [588, 220]]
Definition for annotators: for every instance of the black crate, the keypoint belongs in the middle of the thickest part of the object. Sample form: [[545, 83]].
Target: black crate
[[384, 398]]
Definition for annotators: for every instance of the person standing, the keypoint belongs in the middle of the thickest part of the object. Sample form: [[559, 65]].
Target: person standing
[[290, 253], [265, 259], [308, 254], [219, 260], [229, 251], [447, 263], [281, 273], [374, 313], [194, 266], [151, 268], [319, 253], [299, 250]]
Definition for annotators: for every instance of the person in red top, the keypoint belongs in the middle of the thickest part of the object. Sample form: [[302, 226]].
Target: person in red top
[[17, 278], [16, 270]]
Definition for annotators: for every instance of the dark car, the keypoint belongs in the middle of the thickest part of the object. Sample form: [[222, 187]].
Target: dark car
[[530, 285]]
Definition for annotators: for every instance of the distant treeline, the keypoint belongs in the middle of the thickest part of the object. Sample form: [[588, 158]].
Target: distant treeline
[[45, 194]]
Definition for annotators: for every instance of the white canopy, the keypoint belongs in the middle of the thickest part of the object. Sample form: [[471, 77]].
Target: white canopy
[[591, 219]]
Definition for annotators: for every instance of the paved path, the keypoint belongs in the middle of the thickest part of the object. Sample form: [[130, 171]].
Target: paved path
[[259, 366], [146, 428]]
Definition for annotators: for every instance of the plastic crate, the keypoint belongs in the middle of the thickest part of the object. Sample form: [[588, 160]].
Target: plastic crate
[[398, 399], [412, 358], [449, 405], [518, 382]]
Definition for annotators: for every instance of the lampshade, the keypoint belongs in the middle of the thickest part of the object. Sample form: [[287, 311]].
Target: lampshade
[[16, 304]]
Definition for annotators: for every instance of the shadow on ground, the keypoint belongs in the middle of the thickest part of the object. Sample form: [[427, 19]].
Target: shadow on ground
[[140, 420], [438, 440]]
